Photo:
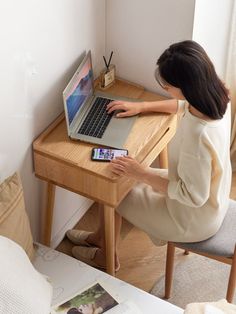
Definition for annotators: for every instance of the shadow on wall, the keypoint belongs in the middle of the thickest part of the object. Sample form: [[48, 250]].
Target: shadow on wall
[[46, 110], [51, 104]]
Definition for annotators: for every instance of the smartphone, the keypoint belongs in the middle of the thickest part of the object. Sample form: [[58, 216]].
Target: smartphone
[[107, 154]]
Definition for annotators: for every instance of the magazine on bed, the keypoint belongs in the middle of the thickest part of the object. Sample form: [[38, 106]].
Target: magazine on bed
[[95, 300]]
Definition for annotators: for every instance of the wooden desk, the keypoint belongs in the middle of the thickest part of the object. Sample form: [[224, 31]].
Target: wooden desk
[[66, 163]]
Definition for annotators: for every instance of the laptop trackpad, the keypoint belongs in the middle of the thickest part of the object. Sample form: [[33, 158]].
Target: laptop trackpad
[[118, 130]]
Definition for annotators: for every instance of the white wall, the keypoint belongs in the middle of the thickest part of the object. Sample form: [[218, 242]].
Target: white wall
[[139, 30], [41, 42], [211, 30]]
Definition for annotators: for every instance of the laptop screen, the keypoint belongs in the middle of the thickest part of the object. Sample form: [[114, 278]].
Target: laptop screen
[[80, 88]]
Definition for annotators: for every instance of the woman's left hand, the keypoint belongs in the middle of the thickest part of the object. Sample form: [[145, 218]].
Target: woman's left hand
[[129, 167]]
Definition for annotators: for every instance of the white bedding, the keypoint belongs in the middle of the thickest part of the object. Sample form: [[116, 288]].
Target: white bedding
[[23, 290]]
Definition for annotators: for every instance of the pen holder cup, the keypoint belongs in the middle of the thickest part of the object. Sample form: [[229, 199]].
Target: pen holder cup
[[107, 77]]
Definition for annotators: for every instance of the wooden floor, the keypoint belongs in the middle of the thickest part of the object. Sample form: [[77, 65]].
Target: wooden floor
[[142, 263]]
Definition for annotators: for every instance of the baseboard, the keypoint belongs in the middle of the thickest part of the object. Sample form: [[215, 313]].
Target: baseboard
[[58, 237]]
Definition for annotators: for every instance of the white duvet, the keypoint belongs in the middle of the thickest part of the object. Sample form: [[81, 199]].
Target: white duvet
[[23, 290]]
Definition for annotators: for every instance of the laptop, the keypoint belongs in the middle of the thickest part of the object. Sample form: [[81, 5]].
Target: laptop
[[85, 110]]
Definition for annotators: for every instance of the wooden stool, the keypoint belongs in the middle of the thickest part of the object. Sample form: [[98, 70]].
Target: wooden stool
[[221, 247]]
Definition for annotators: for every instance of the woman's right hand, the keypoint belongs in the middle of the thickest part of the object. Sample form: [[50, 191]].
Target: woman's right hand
[[128, 108]]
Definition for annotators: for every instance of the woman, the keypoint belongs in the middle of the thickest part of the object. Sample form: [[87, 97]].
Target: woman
[[188, 203]]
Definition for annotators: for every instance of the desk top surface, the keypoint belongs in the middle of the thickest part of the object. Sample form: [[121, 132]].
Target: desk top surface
[[54, 141]]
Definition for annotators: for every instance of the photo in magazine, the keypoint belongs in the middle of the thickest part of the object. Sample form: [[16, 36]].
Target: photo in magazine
[[94, 300]]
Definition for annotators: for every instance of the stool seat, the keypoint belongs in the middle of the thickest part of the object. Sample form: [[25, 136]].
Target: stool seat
[[221, 247], [223, 242]]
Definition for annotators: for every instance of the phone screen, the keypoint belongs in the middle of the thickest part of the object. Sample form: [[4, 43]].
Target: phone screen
[[107, 154]]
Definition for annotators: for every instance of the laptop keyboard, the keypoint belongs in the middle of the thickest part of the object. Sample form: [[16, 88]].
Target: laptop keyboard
[[97, 118]]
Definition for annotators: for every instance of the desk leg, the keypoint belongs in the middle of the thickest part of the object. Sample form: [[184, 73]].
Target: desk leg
[[49, 214], [163, 159], [109, 223]]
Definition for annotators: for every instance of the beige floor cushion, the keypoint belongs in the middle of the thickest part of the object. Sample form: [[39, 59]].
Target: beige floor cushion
[[14, 222]]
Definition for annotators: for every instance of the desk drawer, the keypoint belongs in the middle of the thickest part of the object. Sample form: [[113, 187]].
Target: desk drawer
[[79, 181]]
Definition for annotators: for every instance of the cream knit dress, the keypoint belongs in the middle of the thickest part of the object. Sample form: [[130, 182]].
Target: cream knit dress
[[199, 184]]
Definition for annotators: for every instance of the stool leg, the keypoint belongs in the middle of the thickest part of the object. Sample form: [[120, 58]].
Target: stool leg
[[169, 268], [232, 280]]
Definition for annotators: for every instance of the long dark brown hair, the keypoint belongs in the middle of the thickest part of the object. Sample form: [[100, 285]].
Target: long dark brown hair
[[187, 66]]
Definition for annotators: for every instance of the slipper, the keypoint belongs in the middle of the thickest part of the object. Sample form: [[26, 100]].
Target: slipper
[[78, 237], [87, 255]]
